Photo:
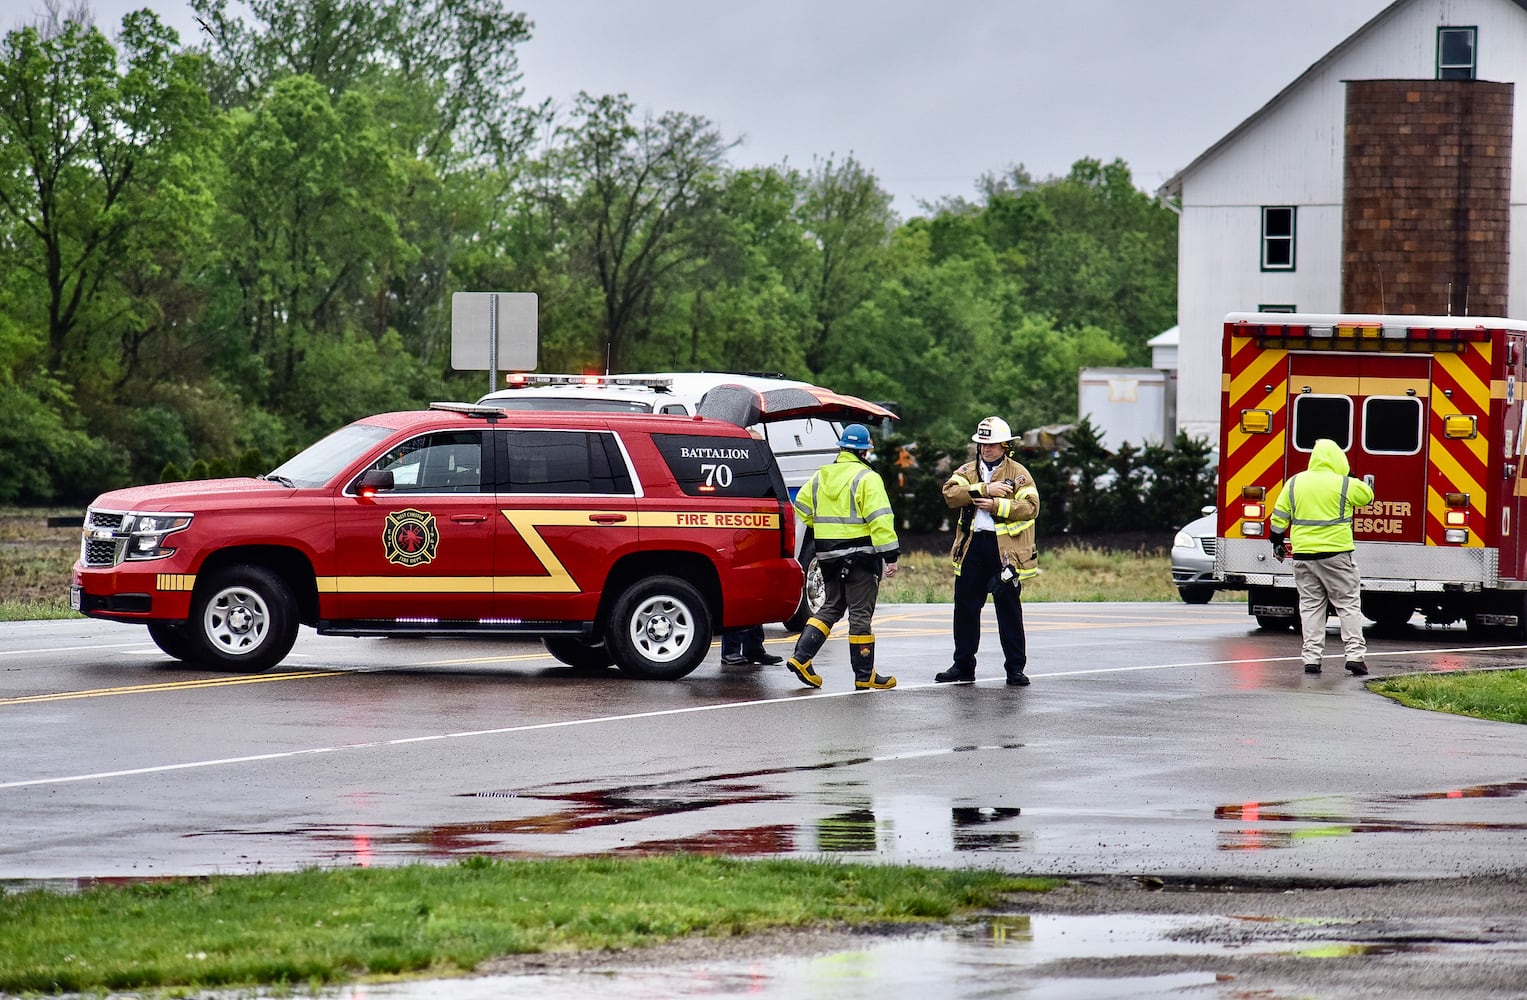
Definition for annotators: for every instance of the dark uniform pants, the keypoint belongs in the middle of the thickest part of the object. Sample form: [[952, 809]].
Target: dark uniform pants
[[855, 591], [978, 578]]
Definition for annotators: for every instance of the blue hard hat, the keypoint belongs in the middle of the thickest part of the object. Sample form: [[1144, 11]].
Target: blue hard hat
[[855, 437]]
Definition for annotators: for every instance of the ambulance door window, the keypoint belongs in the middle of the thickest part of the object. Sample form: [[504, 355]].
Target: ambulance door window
[[1392, 425], [1317, 417]]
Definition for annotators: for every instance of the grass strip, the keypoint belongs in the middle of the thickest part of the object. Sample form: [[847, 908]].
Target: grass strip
[[1498, 695], [315, 927]]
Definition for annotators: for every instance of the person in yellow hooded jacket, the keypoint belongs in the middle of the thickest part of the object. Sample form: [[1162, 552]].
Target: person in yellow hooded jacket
[[845, 505], [1312, 521]]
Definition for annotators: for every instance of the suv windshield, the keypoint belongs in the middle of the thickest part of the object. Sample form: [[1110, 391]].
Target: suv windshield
[[322, 461]]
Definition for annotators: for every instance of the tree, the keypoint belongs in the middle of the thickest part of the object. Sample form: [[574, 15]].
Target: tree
[[850, 218], [1095, 250], [94, 179], [309, 225], [444, 77], [635, 193]]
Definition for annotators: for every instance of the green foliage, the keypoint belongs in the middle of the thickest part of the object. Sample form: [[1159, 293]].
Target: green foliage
[[171, 474], [1083, 489], [260, 241], [46, 459]]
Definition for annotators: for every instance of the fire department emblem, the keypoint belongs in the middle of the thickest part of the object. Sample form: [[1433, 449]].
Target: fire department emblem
[[410, 537]]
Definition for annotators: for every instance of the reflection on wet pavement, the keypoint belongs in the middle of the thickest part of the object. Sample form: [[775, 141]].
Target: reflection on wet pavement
[[1356, 820]]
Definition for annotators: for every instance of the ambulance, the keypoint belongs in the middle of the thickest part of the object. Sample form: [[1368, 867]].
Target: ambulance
[[1428, 410]]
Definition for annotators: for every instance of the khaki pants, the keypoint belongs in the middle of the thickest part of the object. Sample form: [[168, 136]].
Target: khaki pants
[[1333, 579]]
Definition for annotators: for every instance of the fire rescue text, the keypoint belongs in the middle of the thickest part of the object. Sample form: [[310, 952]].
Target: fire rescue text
[[1383, 517]]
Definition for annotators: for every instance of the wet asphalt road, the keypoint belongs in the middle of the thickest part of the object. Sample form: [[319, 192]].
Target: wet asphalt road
[[1156, 739]]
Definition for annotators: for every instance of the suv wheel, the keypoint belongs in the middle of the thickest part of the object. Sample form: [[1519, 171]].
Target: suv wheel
[[243, 618], [173, 640], [659, 629], [580, 653], [813, 594]]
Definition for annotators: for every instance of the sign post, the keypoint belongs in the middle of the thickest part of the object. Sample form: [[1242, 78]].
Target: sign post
[[493, 328]]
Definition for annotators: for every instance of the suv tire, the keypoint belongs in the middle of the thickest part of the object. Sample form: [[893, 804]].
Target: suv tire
[[242, 618], [813, 591], [579, 653], [659, 629], [173, 640]]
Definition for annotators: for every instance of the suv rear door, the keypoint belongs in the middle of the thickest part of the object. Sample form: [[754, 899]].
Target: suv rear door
[[567, 506]]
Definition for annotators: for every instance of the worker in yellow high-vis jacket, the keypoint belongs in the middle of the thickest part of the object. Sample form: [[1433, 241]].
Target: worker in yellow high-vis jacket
[[845, 505], [1313, 517], [994, 551]]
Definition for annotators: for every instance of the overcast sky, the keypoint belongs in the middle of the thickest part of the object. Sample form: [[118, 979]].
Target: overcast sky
[[927, 94]]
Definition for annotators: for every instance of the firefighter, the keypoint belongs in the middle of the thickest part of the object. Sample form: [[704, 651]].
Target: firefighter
[[845, 504], [994, 551], [1313, 516]]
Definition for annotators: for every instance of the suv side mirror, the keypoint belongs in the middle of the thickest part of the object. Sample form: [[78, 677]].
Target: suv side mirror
[[374, 481]]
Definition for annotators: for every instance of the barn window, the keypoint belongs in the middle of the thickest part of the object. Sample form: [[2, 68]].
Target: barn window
[[1456, 53], [1277, 238]]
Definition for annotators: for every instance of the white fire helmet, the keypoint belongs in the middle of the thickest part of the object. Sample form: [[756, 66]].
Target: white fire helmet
[[993, 430]]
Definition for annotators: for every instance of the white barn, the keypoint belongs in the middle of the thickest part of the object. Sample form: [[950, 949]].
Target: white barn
[[1262, 210]]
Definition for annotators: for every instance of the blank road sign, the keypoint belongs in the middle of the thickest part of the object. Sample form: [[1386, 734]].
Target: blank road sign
[[472, 321]]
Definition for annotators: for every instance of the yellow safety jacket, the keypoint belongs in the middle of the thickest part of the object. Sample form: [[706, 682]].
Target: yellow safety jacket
[[1014, 515], [1315, 507], [845, 505]]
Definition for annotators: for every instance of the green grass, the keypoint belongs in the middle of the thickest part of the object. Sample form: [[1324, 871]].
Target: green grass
[[1498, 695], [313, 927], [1072, 573]]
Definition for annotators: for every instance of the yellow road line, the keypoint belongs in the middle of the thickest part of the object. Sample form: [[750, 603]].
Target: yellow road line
[[168, 686]]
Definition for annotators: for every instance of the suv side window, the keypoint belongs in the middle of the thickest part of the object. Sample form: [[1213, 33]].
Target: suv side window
[[443, 462], [567, 462]]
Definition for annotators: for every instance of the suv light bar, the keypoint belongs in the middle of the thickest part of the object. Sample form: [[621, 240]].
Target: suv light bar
[[526, 380]]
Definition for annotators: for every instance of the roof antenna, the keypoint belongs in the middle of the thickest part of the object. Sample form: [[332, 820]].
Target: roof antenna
[[1450, 298]]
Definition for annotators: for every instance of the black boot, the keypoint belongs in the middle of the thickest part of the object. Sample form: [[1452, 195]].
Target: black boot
[[806, 646], [954, 675], [862, 650]]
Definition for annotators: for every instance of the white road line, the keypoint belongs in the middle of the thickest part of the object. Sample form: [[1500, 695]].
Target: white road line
[[570, 723], [68, 649]]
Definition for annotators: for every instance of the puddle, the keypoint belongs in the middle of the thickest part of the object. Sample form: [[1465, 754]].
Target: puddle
[[1003, 957], [1374, 815]]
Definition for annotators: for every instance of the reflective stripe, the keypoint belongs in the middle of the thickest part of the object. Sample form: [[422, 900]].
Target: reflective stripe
[[853, 517], [1309, 523]]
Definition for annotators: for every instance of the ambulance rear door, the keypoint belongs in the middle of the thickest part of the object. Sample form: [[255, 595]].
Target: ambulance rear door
[[1374, 406]]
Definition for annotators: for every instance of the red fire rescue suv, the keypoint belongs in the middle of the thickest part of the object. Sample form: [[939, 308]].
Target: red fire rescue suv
[[1428, 410]]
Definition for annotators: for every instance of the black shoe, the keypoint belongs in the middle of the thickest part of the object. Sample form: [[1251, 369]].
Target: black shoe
[[1018, 680], [953, 676], [1356, 668], [763, 656], [734, 660], [1312, 668]]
